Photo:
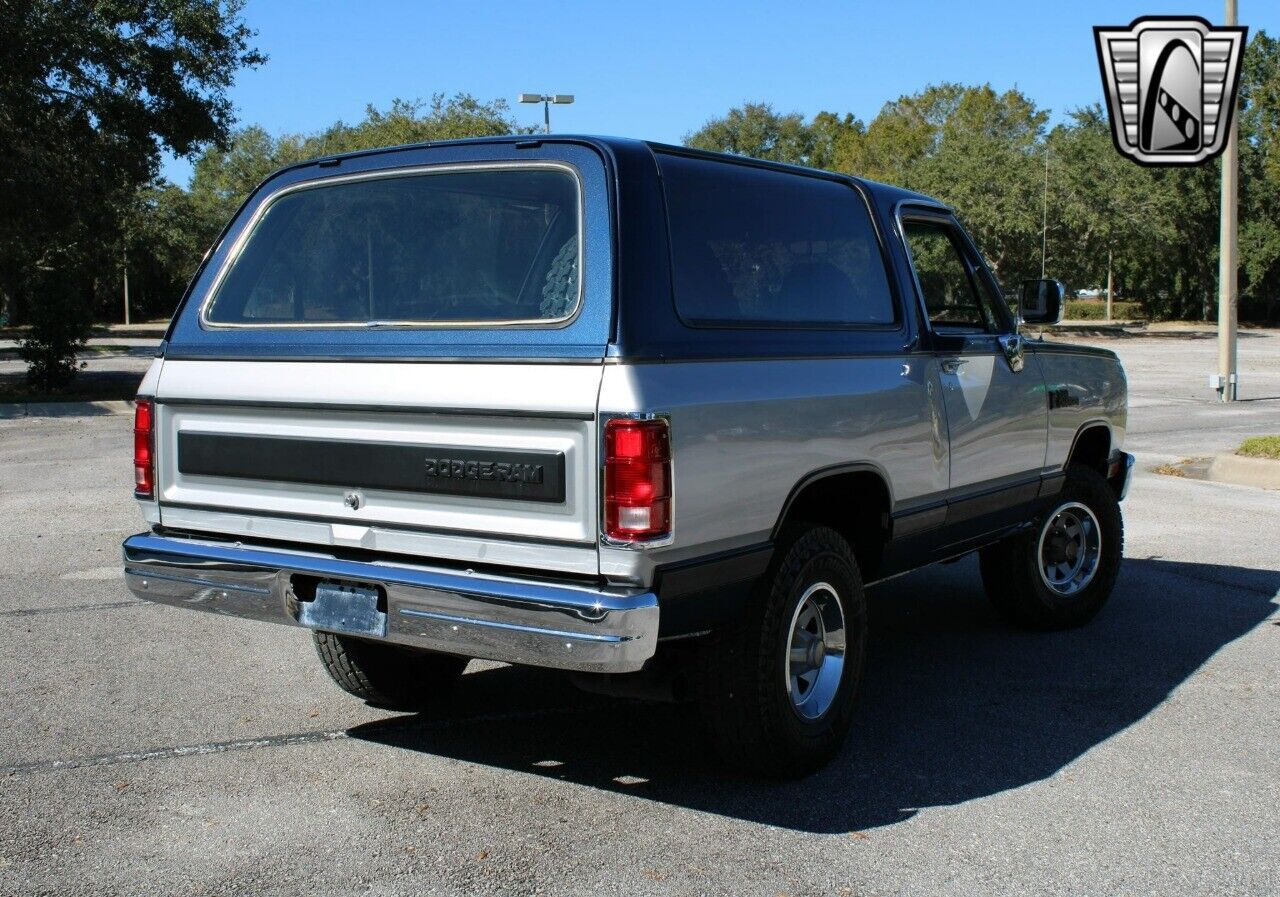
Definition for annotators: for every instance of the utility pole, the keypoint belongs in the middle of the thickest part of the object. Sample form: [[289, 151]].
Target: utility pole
[[1044, 215], [1110, 283], [1228, 257], [126, 288]]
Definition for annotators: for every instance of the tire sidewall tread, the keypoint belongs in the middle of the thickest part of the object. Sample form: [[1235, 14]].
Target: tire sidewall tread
[[1010, 568], [742, 690], [387, 675]]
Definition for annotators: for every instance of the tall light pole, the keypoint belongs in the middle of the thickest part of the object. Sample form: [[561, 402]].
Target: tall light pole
[[1228, 254], [560, 99], [1044, 215]]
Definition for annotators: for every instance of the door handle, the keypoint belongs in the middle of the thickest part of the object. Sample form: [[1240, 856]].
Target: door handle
[[952, 365]]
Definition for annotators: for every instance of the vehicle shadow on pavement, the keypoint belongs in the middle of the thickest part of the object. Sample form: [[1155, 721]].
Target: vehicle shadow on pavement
[[955, 704]]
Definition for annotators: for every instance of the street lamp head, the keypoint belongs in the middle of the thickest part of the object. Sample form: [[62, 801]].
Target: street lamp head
[[562, 98], [531, 98]]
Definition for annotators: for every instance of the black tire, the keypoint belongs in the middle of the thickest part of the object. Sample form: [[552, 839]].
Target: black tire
[[741, 683], [386, 675], [1011, 568]]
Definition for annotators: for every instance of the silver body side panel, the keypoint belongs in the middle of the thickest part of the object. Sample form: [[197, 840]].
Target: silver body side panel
[[995, 418], [513, 407], [744, 433], [1098, 389]]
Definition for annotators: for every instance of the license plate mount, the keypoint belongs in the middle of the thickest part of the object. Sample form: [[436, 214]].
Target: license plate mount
[[346, 608]]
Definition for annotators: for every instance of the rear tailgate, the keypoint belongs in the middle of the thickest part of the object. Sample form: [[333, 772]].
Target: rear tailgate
[[475, 462], [400, 351]]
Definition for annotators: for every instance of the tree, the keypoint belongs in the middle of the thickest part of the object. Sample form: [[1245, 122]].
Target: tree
[[970, 147], [985, 162], [904, 133], [165, 238], [756, 130], [984, 153], [1103, 208], [174, 227], [224, 176], [90, 92], [1260, 178]]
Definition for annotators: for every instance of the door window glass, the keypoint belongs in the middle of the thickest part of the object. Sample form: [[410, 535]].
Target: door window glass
[[952, 302]]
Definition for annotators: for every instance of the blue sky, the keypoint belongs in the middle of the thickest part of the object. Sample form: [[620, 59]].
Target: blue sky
[[658, 70]]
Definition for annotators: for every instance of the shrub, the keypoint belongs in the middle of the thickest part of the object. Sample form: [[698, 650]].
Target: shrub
[[1095, 310], [60, 322]]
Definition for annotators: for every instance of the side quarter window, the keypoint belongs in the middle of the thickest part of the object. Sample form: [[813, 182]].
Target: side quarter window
[[756, 247], [953, 301]]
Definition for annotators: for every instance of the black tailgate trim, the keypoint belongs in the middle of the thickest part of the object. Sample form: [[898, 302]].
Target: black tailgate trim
[[483, 473]]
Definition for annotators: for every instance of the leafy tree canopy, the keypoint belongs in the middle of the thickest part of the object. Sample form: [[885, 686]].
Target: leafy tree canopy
[[90, 92], [991, 157]]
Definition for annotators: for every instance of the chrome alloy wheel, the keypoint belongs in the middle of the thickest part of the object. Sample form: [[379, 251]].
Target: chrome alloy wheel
[[815, 652], [1070, 549]]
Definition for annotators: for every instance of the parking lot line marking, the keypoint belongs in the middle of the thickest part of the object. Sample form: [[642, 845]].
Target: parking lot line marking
[[70, 608], [402, 724], [186, 750]]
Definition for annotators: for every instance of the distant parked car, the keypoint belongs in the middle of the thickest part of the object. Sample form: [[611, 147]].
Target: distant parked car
[[1090, 293]]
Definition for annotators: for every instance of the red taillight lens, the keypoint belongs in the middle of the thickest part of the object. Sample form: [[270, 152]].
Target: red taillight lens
[[637, 479], [143, 445]]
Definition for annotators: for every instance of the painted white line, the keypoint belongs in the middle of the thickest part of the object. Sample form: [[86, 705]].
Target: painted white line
[[391, 725]]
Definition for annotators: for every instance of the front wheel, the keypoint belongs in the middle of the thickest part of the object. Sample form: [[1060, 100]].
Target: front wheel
[[1060, 573], [777, 690]]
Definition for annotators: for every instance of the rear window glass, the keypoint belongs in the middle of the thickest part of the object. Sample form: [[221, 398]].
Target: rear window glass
[[483, 245], [762, 247]]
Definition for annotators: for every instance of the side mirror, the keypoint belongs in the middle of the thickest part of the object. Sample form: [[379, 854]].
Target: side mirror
[[1041, 301]]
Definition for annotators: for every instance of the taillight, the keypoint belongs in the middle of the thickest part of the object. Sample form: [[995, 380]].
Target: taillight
[[637, 479], [143, 449]]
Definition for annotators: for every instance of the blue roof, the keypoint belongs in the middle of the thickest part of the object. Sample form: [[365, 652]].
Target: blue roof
[[887, 192]]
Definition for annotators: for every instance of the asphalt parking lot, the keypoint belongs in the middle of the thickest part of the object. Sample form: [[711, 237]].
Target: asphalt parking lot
[[150, 750]]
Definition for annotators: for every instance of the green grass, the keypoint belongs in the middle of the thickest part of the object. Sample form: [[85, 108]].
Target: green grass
[[1261, 447]]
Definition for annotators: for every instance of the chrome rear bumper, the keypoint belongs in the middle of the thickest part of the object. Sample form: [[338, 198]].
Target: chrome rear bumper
[[497, 618]]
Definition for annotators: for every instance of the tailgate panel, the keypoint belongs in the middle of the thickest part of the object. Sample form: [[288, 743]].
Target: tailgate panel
[[408, 457]]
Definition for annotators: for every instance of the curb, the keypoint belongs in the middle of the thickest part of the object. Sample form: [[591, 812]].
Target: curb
[[15, 410], [1262, 473]]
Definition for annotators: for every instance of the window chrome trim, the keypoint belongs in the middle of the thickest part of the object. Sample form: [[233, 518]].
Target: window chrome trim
[[260, 212], [918, 210]]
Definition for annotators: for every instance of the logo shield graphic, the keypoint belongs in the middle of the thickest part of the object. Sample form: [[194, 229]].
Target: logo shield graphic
[[1171, 87]]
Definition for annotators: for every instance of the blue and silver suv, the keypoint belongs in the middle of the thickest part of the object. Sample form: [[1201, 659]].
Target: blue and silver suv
[[628, 410]]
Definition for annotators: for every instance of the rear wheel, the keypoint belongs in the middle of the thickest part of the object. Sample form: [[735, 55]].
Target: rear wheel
[[1060, 573], [777, 689], [390, 676]]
